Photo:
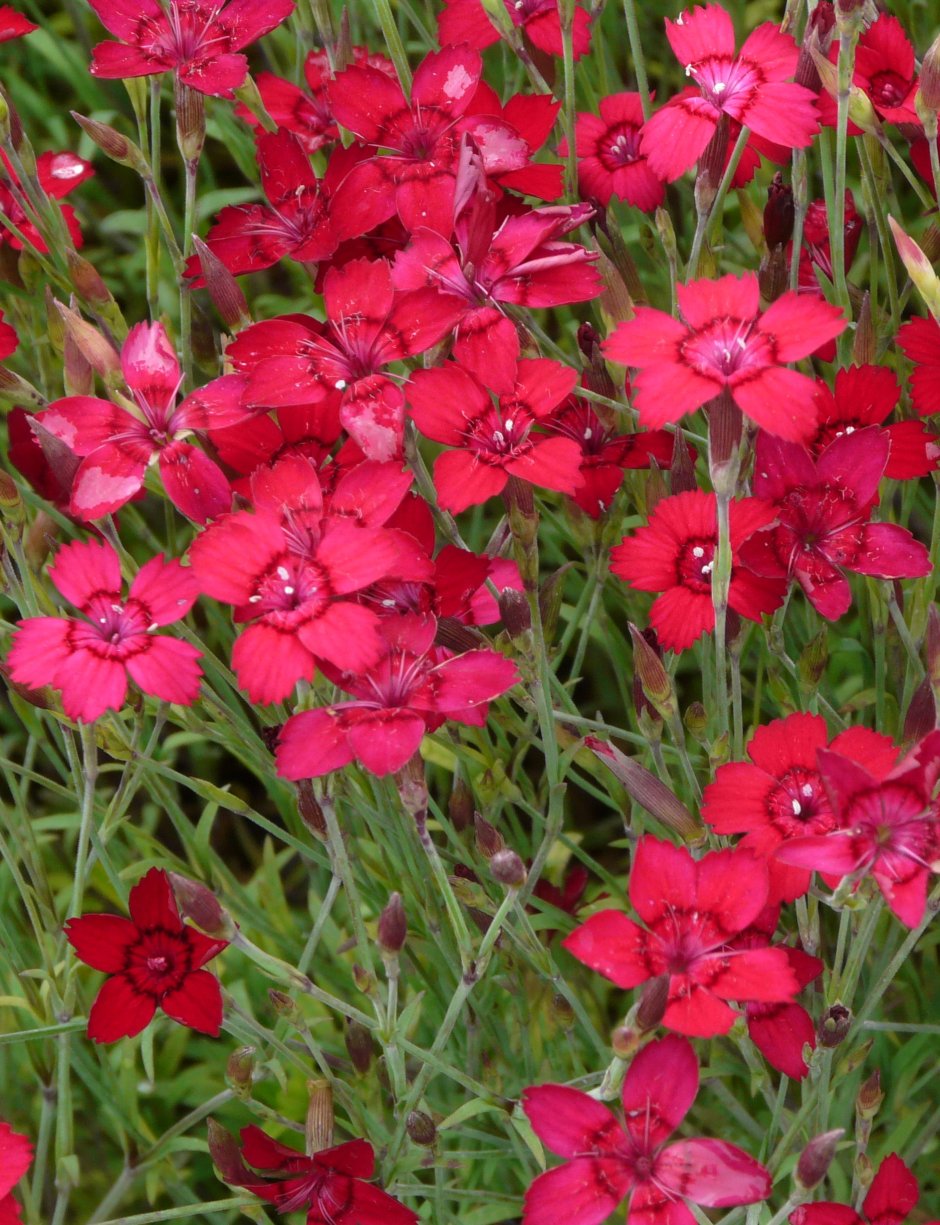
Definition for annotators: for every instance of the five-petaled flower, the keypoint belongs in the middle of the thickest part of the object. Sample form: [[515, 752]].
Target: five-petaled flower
[[609, 1160], [891, 1196], [90, 658], [610, 161], [692, 911], [726, 341], [16, 1153], [153, 959], [466, 21]]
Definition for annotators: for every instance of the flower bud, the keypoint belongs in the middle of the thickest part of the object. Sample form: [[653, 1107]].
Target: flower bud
[[833, 1025], [813, 660], [625, 1041], [919, 268], [515, 612], [778, 213], [682, 468], [870, 1096], [865, 344], [224, 290], [97, 351], [190, 121], [648, 667], [239, 1071], [489, 839], [818, 35], [86, 280], [200, 904], [359, 1045], [930, 76], [12, 508], [460, 805], [508, 869], [696, 721], [921, 716], [393, 926], [115, 146], [563, 1011], [864, 1172], [318, 1128], [309, 810], [225, 1154], [816, 1158], [421, 1129], [283, 1005], [646, 789], [653, 1002], [363, 979]]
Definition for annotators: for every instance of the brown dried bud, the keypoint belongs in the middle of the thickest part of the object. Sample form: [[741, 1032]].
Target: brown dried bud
[[460, 805], [489, 839], [190, 121], [224, 290], [393, 926], [359, 1045], [773, 274], [870, 1096], [309, 810], [508, 869], [421, 1129], [239, 1071], [778, 213], [318, 1128], [563, 1010], [653, 1001], [199, 903], [833, 1026], [625, 1041], [363, 979], [225, 1154], [865, 344], [514, 611], [816, 1158], [921, 716], [817, 35], [682, 469], [119, 148], [87, 281], [11, 504], [283, 1005]]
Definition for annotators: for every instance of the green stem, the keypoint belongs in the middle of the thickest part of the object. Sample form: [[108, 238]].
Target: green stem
[[873, 997], [713, 212], [638, 56], [566, 12], [845, 68], [396, 48], [721, 583]]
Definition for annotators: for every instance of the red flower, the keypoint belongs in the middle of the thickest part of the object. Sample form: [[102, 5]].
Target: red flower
[[782, 1031], [16, 1153], [609, 1160], [692, 911], [495, 441], [154, 960], [526, 117], [919, 341], [750, 88], [330, 1184], [58, 174], [675, 553], [891, 1196], [116, 446], [308, 430], [610, 162], [884, 70], [13, 24], [727, 342], [297, 360], [411, 690], [888, 827], [90, 659], [199, 40], [9, 341], [466, 21], [779, 794], [823, 517], [864, 396]]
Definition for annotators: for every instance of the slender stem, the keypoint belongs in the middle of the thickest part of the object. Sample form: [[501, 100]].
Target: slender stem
[[566, 11], [638, 56], [721, 583], [875, 993], [713, 212], [848, 37], [396, 48]]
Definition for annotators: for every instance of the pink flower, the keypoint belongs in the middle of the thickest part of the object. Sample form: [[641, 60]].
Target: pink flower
[[116, 446], [888, 827], [466, 21], [823, 518], [90, 659], [9, 341], [13, 24], [919, 341], [609, 1160], [411, 690], [726, 341], [154, 960], [751, 88], [610, 161], [692, 911], [891, 1196], [59, 174], [884, 70], [199, 40], [16, 1153]]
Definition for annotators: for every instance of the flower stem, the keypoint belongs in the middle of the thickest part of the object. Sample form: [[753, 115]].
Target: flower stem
[[846, 66], [396, 48], [638, 56]]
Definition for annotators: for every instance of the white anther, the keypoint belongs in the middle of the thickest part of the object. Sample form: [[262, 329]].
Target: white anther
[[719, 87], [288, 590], [807, 790], [588, 434], [283, 572], [698, 551], [340, 385], [797, 807]]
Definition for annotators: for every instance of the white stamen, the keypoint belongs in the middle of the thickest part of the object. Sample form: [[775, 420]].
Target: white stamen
[[588, 434], [807, 790], [850, 429], [719, 87], [498, 437], [288, 590], [698, 551], [797, 807], [254, 599], [283, 572], [708, 569], [509, 424], [340, 385]]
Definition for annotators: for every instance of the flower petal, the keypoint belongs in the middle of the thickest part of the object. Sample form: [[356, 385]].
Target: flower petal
[[196, 1003], [119, 1011], [102, 940]]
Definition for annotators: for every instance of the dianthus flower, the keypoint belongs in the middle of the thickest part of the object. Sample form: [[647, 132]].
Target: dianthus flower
[[674, 554], [888, 827], [884, 70], [610, 162], [466, 21], [58, 175], [822, 525], [727, 342], [779, 794], [13, 24], [9, 341], [609, 1160], [891, 1196], [330, 1185], [16, 1153], [116, 447], [919, 341], [411, 690], [199, 40], [154, 960], [692, 911], [750, 87], [90, 659]]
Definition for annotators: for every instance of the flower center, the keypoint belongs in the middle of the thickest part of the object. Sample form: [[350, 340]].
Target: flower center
[[798, 804], [621, 147], [888, 89], [727, 347], [696, 562], [159, 961]]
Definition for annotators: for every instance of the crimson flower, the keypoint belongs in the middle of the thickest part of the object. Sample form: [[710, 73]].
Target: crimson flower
[[884, 70], [891, 1196], [864, 396], [610, 162], [16, 1153], [91, 658], [466, 21], [308, 430], [199, 40], [411, 690], [888, 827], [782, 1031], [9, 341], [919, 341], [13, 25], [609, 1160], [297, 360], [674, 554], [526, 117], [823, 512], [692, 911], [495, 441], [329, 1185], [779, 794], [58, 174], [154, 960], [117, 446], [751, 88], [726, 341]]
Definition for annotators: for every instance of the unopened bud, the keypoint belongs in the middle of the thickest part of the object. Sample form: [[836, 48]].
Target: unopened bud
[[200, 904], [515, 612], [115, 146], [921, 716], [489, 839], [318, 1129], [224, 290], [625, 1041], [711, 165], [682, 468], [773, 274], [562, 1009], [865, 344], [97, 351], [508, 869], [816, 36], [190, 121], [864, 1172], [653, 1003], [696, 721], [225, 1154], [648, 667], [834, 1025], [778, 213], [11, 504], [646, 789], [309, 810], [86, 280], [813, 660], [283, 1005], [359, 1046], [667, 233], [239, 1071], [421, 1129], [363, 979], [460, 805], [919, 268], [393, 926], [870, 1096], [816, 1158], [930, 76]]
